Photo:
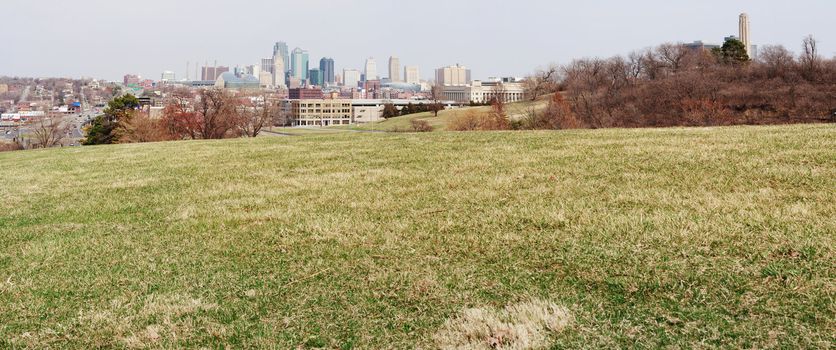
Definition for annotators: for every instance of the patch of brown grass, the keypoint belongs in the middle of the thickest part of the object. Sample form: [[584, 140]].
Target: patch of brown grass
[[526, 325]]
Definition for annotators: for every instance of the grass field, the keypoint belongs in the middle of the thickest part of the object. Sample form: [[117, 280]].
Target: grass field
[[445, 117], [668, 238]]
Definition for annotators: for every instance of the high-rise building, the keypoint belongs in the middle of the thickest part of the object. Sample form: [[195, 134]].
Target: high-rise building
[[394, 69], [457, 75], [351, 78], [744, 34], [411, 75], [280, 48], [326, 67], [315, 77], [371, 69], [299, 64], [168, 76], [278, 70]]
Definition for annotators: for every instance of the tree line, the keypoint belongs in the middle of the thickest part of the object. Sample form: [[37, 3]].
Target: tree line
[[673, 85], [188, 115]]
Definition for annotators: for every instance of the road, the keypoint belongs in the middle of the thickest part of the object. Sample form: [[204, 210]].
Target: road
[[74, 123]]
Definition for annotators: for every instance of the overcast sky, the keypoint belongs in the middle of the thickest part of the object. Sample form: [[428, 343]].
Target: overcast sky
[[109, 38]]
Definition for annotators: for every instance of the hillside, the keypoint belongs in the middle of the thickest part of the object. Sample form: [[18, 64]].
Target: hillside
[[440, 123], [665, 238]]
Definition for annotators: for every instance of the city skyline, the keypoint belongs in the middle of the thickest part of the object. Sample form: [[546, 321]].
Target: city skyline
[[425, 46]]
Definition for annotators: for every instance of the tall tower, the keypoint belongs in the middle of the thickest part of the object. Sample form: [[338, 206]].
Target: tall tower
[[744, 34], [326, 66], [394, 69], [371, 69], [299, 64], [278, 69], [280, 48]]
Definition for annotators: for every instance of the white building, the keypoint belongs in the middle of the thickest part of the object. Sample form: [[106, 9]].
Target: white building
[[351, 78], [168, 76], [457, 75], [394, 69], [371, 69], [509, 90], [411, 75]]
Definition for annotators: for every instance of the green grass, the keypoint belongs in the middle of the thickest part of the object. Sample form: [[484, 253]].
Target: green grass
[[445, 117], [668, 238]]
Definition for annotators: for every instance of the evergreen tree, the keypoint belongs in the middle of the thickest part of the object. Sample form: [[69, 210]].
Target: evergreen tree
[[102, 130], [733, 51]]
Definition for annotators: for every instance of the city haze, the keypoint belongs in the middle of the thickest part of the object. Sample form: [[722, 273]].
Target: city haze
[[107, 39]]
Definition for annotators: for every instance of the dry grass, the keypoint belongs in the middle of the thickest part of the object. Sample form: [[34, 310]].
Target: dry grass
[[526, 325], [674, 238]]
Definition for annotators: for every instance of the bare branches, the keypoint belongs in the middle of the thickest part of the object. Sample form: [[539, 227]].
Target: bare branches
[[48, 132]]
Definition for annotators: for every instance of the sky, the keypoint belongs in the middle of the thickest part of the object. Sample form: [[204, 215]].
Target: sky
[[107, 39]]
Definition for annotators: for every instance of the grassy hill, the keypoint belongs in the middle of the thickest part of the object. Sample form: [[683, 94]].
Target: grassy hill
[[440, 123], [688, 238]]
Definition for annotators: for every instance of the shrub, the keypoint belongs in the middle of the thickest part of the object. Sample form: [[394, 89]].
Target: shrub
[[10, 146], [419, 125]]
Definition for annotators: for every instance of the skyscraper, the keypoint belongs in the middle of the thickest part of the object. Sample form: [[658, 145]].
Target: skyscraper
[[744, 34], [278, 70], [411, 75], [394, 69], [457, 75], [299, 64], [315, 77], [371, 69], [281, 48], [351, 78], [326, 66]]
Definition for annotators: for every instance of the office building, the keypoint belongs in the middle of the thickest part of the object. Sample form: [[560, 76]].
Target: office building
[[411, 75], [326, 67], [700, 46], [457, 75], [315, 77], [305, 94], [371, 69], [168, 76], [351, 78], [299, 64], [280, 49], [319, 112], [279, 70], [394, 69]]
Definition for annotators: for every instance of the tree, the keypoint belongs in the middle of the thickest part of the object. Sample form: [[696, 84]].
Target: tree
[[179, 117], [217, 113], [733, 51], [436, 95], [389, 111], [264, 112], [102, 130], [541, 82], [810, 59], [141, 128], [48, 132]]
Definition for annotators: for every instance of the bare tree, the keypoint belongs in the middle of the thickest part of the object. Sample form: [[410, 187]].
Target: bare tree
[[48, 132], [541, 82], [218, 113], [264, 112], [436, 95], [810, 59]]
